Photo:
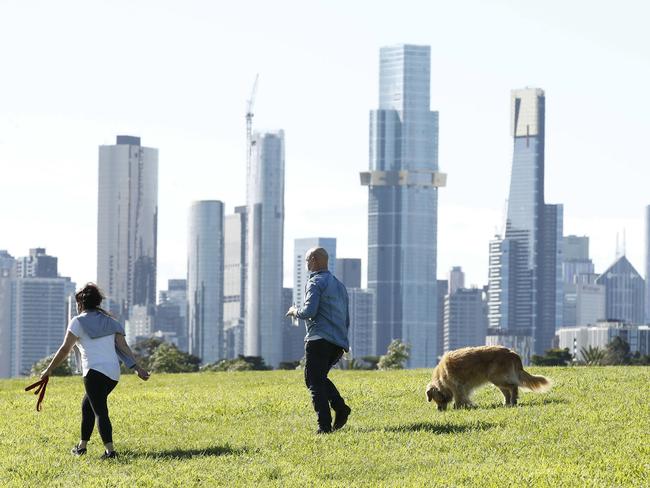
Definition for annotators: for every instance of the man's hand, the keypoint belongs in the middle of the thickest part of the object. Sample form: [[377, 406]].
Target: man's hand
[[142, 373], [291, 312], [46, 372]]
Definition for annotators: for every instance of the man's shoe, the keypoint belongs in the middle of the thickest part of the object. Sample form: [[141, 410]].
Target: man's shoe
[[323, 431], [341, 417], [109, 455], [78, 451]]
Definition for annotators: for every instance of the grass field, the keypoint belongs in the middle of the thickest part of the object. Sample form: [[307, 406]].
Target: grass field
[[257, 428]]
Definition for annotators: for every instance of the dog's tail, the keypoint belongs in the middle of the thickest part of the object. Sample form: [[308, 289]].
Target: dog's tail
[[534, 383]]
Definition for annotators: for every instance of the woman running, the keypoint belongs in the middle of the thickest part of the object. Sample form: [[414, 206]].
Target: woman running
[[100, 345]]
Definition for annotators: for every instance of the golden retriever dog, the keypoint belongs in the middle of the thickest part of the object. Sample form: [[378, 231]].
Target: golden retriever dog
[[462, 371]]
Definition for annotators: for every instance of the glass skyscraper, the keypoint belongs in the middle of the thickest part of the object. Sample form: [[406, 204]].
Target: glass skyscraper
[[205, 278], [525, 297], [403, 204], [127, 225], [265, 242]]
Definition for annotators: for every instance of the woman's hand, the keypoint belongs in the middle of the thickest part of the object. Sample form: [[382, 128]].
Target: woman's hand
[[142, 373]]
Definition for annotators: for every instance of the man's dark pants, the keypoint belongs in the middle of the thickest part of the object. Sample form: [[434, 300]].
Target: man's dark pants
[[320, 356]]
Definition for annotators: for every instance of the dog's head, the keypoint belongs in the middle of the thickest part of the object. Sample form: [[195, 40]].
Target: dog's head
[[435, 394]]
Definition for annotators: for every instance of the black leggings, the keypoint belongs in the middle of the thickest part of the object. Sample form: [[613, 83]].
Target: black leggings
[[94, 406]]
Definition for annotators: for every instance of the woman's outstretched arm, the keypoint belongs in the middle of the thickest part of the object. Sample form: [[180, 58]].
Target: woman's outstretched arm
[[121, 344], [61, 354]]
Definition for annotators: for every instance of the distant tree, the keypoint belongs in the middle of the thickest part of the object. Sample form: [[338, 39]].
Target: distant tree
[[640, 360], [617, 352], [62, 369], [553, 357], [396, 356], [289, 364], [144, 349], [592, 356], [167, 358], [364, 363], [241, 363]]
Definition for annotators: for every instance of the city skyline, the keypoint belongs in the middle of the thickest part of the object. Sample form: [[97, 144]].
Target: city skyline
[[46, 174]]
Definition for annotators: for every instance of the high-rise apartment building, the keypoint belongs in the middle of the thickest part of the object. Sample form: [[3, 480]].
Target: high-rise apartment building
[[403, 183], [525, 291], [624, 292], [127, 225], [264, 243], [348, 271], [300, 270], [205, 280]]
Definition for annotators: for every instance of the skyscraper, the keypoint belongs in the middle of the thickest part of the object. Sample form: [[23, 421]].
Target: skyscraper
[[7, 275], [403, 183], [127, 225], [234, 306], [348, 271], [525, 300], [300, 270], [265, 239], [293, 337], [205, 280], [624, 292]]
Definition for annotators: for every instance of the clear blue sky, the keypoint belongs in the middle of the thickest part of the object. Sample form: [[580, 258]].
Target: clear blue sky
[[73, 74]]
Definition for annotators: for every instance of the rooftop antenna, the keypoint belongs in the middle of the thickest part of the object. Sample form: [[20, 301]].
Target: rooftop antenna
[[624, 243]]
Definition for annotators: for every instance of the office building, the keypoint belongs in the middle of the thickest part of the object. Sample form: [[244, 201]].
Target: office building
[[205, 280], [456, 279], [403, 181], [264, 243], [127, 225]]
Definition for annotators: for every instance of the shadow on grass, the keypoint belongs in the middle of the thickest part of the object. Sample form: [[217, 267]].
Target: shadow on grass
[[534, 403], [433, 428], [188, 453]]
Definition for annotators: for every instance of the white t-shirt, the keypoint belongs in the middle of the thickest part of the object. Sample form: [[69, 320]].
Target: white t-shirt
[[98, 354]]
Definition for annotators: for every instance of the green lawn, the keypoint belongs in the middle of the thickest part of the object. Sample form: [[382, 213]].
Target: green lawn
[[257, 428]]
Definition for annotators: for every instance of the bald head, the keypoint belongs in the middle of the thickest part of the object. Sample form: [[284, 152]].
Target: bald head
[[317, 259]]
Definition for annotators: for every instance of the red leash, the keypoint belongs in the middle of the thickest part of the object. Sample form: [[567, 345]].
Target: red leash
[[42, 385]]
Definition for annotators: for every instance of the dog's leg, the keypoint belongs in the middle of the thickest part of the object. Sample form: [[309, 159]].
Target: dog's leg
[[514, 394], [506, 394]]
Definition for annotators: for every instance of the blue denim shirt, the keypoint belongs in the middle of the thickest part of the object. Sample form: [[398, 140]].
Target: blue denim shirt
[[325, 311]]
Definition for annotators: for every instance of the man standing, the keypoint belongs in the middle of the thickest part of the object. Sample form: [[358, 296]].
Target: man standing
[[327, 319]]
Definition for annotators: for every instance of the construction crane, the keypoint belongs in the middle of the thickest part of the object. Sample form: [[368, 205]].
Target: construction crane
[[249, 125]]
